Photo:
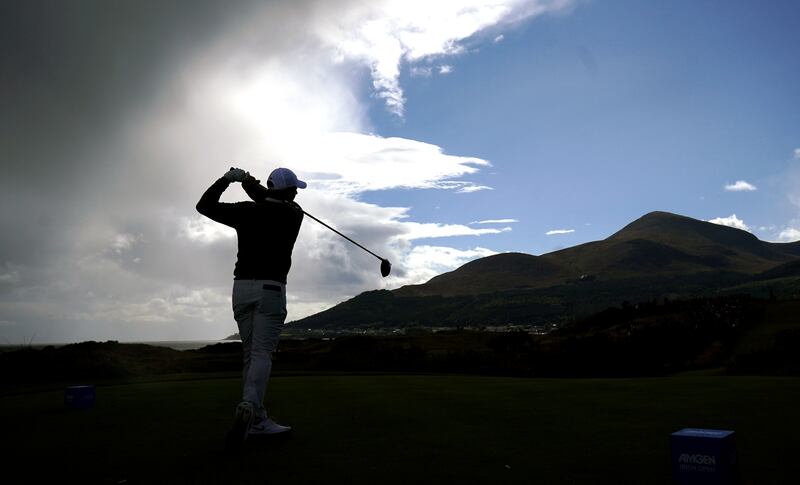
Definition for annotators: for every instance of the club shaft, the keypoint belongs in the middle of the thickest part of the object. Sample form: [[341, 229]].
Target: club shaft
[[339, 233]]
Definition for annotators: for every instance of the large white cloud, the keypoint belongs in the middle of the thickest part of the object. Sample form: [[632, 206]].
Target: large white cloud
[[366, 162], [110, 245], [385, 34]]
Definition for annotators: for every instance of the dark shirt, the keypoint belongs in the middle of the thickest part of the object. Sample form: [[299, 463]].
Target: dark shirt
[[266, 230]]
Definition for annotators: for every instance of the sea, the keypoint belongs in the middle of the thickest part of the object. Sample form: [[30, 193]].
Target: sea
[[183, 344], [172, 344]]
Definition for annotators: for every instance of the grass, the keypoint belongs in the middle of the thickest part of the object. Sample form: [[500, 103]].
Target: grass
[[780, 316], [402, 429]]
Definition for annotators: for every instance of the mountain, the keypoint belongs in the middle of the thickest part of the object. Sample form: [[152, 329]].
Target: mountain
[[657, 244], [489, 274], [659, 254]]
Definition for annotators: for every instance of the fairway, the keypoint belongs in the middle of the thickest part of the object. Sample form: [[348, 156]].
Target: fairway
[[402, 429]]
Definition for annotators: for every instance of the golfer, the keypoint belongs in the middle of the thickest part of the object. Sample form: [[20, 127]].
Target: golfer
[[266, 230]]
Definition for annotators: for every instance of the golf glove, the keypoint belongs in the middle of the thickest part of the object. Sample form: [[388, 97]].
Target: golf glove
[[235, 175]]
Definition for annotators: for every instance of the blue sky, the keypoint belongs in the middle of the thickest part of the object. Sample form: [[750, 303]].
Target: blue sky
[[413, 122], [596, 117]]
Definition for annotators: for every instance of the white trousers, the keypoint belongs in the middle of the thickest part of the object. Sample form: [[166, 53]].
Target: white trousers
[[259, 307]]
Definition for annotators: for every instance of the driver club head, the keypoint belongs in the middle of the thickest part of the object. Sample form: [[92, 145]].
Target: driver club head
[[386, 267]]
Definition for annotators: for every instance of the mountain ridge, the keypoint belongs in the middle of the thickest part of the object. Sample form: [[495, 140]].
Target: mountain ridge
[[657, 254], [659, 242]]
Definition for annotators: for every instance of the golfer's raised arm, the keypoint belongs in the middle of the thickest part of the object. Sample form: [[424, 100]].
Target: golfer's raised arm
[[209, 204], [254, 189]]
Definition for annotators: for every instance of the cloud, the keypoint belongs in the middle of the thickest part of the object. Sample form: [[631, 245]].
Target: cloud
[[797, 153], [122, 242], [468, 188], [198, 228], [731, 221], [200, 305], [365, 162], [384, 35], [429, 261], [495, 221], [421, 71], [499, 38], [109, 245], [740, 186], [559, 231], [789, 235], [417, 230], [10, 277], [427, 71]]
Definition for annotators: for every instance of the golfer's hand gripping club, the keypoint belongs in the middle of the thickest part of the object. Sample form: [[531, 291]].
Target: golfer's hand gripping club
[[236, 175]]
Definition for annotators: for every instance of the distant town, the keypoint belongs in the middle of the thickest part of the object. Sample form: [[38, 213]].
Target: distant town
[[293, 332]]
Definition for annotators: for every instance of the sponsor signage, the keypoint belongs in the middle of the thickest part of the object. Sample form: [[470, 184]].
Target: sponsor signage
[[79, 397], [704, 456]]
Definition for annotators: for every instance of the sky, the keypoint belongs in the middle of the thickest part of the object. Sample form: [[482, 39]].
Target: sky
[[433, 133]]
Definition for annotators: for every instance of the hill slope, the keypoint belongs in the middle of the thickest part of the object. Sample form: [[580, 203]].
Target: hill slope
[[657, 244], [656, 255]]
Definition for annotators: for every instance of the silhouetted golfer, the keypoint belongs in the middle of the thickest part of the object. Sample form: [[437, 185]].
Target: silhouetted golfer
[[266, 230]]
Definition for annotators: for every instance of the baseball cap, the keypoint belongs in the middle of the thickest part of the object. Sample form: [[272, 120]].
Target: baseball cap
[[283, 178]]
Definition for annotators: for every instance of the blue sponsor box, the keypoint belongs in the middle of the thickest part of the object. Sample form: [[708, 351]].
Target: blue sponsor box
[[79, 397], [704, 456]]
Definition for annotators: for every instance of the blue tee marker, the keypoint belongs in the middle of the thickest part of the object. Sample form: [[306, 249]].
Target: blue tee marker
[[704, 456], [79, 397]]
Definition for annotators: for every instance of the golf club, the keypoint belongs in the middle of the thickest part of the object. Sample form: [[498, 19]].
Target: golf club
[[386, 266]]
